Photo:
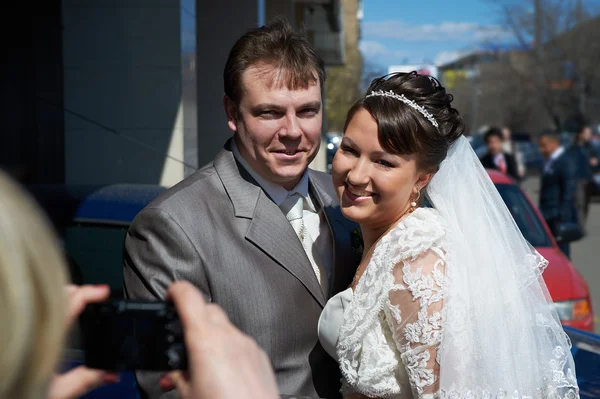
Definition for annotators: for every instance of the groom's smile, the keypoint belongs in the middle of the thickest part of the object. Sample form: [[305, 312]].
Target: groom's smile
[[286, 155]]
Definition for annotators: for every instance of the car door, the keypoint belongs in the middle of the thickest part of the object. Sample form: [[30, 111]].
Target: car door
[[95, 252]]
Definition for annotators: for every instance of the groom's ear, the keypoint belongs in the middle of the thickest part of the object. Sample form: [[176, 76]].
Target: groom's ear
[[231, 110]]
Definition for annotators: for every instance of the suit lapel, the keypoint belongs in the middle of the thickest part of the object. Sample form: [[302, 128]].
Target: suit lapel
[[271, 232], [551, 165], [269, 229]]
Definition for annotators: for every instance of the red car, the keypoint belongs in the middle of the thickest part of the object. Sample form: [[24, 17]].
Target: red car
[[567, 287]]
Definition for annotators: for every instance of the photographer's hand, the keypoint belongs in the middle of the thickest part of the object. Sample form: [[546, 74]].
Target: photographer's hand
[[223, 362], [80, 380]]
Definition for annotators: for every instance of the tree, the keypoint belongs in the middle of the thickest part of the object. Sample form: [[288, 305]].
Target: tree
[[560, 67], [343, 89]]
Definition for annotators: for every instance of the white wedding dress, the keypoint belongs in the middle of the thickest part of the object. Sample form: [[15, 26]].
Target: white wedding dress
[[452, 303], [386, 334]]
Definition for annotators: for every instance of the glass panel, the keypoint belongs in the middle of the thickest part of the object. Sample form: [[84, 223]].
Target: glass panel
[[97, 252], [96, 256], [525, 216]]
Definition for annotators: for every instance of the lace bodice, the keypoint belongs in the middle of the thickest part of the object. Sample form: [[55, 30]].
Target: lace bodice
[[391, 327]]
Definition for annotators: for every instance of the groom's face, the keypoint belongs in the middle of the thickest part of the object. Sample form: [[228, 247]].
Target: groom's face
[[278, 130]]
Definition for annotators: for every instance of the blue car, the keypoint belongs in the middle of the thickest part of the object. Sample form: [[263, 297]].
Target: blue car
[[92, 222], [586, 352]]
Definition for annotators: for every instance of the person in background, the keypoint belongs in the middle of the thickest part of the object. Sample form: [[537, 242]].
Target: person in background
[[496, 157], [39, 307], [587, 164], [510, 147], [558, 185]]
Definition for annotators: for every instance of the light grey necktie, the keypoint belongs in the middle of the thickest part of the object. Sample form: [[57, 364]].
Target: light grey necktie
[[293, 208]]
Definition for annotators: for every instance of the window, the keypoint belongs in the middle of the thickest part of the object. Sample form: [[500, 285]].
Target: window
[[525, 216], [97, 253], [530, 225]]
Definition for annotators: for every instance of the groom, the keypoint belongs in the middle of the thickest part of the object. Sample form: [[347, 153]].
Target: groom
[[256, 230]]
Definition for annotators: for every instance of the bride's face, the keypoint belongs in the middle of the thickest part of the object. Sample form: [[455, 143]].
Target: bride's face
[[374, 186]]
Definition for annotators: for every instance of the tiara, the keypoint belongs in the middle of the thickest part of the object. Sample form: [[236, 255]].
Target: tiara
[[410, 103]]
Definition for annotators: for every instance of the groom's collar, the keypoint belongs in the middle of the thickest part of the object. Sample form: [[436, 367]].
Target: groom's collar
[[277, 193], [243, 189]]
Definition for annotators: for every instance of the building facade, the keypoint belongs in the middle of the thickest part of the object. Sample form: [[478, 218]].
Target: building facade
[[130, 91]]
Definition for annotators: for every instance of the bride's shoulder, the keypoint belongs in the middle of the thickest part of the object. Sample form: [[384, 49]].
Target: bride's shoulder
[[418, 232]]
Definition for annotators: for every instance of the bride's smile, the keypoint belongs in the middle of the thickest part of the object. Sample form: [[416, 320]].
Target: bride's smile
[[355, 194], [374, 185]]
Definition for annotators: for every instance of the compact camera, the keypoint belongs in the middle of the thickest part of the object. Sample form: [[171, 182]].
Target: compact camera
[[121, 335]]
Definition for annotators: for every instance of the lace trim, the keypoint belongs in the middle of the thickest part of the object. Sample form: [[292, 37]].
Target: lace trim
[[560, 386], [427, 329], [414, 235], [570, 393], [537, 264], [363, 336], [426, 232], [421, 231]]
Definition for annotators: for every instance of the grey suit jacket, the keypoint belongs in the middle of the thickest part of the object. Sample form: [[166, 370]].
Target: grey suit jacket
[[219, 230]]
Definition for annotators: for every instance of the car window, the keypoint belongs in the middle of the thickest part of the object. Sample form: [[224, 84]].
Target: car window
[[522, 211], [97, 252]]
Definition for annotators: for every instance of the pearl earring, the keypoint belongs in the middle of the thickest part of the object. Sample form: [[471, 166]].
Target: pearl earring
[[416, 200]]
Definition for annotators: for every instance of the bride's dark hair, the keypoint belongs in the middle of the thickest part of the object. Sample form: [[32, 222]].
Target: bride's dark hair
[[402, 129]]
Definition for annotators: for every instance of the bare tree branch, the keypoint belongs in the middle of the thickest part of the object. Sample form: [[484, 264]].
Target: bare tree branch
[[564, 55]]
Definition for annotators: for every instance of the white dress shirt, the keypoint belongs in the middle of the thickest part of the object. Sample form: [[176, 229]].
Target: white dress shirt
[[557, 153], [313, 215], [500, 159]]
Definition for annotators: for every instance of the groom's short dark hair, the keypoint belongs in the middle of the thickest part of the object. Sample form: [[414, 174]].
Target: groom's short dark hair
[[274, 44]]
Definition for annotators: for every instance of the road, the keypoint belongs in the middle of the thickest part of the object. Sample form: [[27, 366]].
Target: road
[[585, 252]]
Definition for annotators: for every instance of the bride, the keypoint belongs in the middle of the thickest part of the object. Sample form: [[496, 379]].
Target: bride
[[449, 300]]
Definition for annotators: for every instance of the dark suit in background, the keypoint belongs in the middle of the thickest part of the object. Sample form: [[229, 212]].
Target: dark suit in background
[[487, 161], [582, 154], [557, 193], [219, 230]]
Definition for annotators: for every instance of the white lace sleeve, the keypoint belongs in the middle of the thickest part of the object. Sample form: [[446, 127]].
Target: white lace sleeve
[[414, 315]]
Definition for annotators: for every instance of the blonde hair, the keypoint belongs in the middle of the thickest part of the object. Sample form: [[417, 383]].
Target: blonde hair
[[33, 277]]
